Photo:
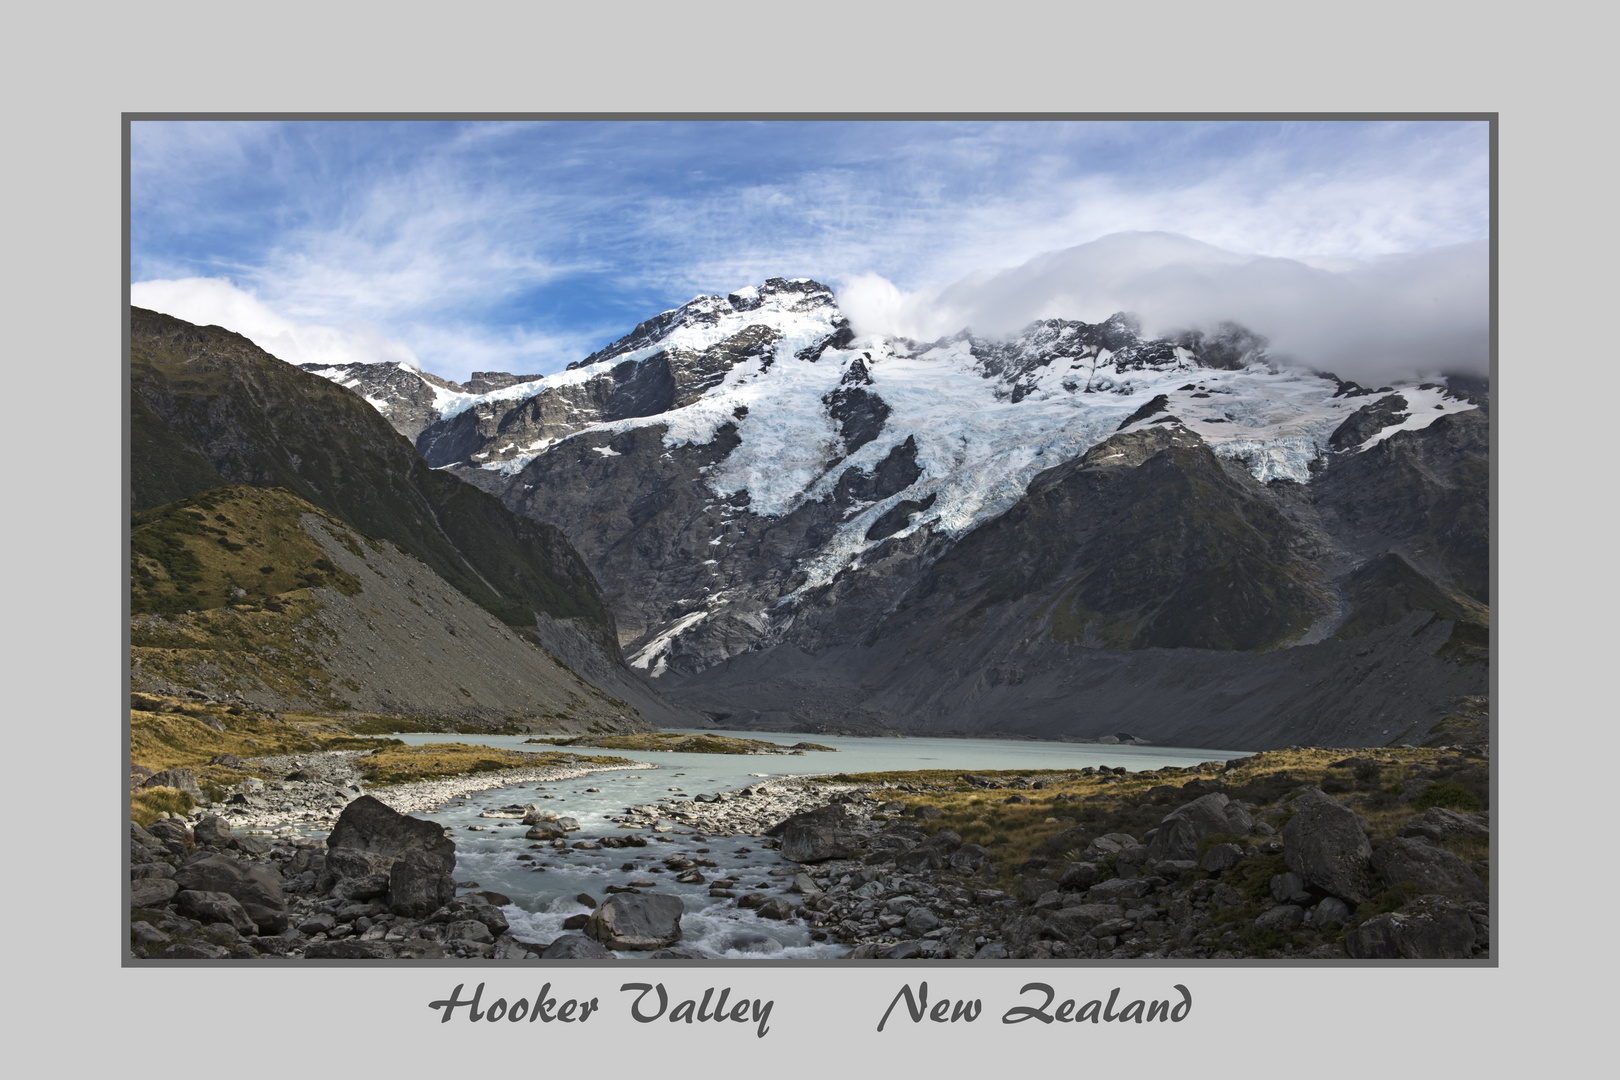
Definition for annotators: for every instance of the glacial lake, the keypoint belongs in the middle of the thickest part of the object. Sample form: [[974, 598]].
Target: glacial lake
[[543, 891]]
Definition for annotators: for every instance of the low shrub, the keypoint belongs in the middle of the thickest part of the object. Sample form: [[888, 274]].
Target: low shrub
[[1449, 794], [1367, 774]]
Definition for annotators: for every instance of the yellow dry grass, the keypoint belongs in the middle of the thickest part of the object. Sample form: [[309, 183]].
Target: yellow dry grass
[[1040, 823]]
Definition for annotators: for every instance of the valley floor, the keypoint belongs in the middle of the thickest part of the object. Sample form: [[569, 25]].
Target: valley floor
[[1304, 853]]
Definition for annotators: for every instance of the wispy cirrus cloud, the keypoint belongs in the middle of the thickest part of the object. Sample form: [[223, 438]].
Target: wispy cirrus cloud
[[476, 242]]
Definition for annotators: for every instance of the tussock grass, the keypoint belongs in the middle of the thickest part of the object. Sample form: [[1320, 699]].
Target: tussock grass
[[402, 764], [242, 648], [185, 740], [224, 582], [168, 734], [227, 546], [147, 804], [1070, 810], [1449, 794]]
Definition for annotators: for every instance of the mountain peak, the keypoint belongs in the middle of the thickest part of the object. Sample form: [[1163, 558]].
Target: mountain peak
[[709, 318]]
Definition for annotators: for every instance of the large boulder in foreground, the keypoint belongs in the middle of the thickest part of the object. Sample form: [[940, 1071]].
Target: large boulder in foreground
[[371, 839], [151, 892], [371, 825], [1438, 823], [215, 907], [258, 891], [180, 779], [418, 885], [816, 835], [1181, 829], [1429, 928], [212, 831], [1324, 844], [642, 921], [1427, 869], [576, 947]]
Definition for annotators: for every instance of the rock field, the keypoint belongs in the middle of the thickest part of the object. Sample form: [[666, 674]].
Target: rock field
[[870, 874]]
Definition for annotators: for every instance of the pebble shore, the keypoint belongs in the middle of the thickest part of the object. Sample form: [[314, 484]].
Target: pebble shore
[[428, 795], [289, 807]]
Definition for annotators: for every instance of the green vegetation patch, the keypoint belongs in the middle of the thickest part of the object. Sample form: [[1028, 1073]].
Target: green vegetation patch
[[208, 407], [276, 646], [402, 764], [1469, 722], [171, 735], [1391, 899], [230, 546], [165, 733], [1449, 794]]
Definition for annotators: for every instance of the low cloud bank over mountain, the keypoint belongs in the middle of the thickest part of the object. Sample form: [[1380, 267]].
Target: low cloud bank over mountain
[[1424, 312], [1377, 320]]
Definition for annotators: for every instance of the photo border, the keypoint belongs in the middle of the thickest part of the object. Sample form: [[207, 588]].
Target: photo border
[[491, 967]]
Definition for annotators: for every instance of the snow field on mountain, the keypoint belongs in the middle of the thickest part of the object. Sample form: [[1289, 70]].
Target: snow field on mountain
[[977, 453], [978, 449], [1425, 407], [1277, 423], [652, 653], [788, 440], [339, 375], [695, 332]]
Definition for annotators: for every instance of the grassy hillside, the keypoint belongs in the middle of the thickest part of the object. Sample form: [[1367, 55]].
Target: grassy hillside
[[255, 595], [231, 546], [224, 582], [208, 407]]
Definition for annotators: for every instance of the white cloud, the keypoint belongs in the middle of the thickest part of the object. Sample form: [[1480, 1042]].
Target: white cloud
[[1419, 313], [1372, 320], [454, 350], [217, 302]]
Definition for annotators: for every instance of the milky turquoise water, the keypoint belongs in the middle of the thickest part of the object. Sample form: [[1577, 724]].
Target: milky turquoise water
[[543, 891]]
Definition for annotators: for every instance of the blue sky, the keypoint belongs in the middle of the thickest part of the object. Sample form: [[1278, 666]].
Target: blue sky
[[523, 245]]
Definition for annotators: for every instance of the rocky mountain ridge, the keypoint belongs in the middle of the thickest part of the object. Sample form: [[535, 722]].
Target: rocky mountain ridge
[[796, 527], [209, 409]]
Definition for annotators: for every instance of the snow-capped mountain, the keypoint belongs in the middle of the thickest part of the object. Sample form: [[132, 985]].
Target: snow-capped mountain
[[744, 474]]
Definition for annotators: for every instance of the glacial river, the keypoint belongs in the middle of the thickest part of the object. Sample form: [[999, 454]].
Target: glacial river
[[543, 890]]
